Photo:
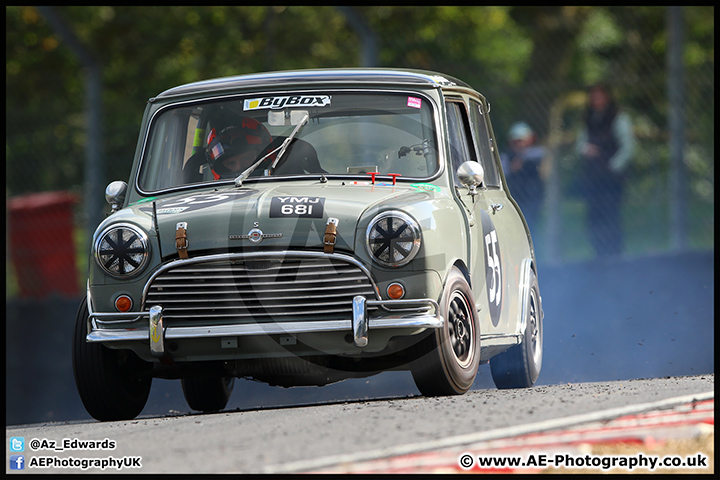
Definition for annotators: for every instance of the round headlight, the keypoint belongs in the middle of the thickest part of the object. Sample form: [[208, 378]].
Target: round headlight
[[122, 250], [393, 238]]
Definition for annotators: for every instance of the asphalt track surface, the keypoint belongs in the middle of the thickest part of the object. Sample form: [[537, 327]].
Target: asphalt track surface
[[309, 438]]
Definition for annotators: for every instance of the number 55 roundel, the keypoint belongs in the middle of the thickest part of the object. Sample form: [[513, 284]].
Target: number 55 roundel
[[493, 268]]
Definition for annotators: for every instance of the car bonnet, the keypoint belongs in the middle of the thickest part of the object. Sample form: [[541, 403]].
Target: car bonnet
[[283, 216]]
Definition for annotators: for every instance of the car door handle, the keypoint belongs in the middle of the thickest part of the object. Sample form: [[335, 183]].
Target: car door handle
[[496, 207]]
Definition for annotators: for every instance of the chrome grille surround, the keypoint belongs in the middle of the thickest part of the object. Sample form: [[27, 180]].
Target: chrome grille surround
[[258, 287]]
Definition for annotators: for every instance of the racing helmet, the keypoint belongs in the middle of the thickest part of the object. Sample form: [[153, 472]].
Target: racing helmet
[[247, 135]]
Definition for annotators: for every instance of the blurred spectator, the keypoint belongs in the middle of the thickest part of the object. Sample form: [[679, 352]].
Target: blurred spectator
[[522, 163], [605, 145]]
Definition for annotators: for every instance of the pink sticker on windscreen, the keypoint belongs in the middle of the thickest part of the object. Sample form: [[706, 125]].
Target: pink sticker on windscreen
[[414, 102]]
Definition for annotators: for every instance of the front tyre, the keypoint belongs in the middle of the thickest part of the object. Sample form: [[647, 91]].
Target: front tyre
[[113, 384], [449, 357], [519, 366], [207, 394]]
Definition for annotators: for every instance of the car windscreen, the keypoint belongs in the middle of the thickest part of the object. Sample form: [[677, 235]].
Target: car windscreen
[[331, 133]]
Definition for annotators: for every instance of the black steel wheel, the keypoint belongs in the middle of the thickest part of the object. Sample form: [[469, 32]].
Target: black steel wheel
[[113, 384], [448, 359], [519, 366], [207, 394]]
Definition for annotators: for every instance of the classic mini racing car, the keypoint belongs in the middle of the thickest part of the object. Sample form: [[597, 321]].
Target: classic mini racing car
[[305, 227]]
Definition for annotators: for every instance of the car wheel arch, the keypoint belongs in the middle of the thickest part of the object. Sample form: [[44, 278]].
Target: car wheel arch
[[460, 265]]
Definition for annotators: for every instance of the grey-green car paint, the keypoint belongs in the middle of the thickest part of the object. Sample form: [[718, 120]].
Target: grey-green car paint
[[449, 217]]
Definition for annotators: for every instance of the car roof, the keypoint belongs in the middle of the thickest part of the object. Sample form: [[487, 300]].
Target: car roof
[[322, 77]]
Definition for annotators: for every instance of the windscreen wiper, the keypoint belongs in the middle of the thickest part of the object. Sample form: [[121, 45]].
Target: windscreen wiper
[[281, 150]]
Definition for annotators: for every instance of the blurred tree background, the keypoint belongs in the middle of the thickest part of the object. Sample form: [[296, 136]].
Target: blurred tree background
[[532, 63]]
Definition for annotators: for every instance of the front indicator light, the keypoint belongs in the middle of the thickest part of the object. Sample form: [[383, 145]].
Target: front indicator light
[[395, 291], [123, 303]]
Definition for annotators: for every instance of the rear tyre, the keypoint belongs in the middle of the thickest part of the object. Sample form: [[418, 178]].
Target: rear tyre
[[519, 366], [207, 394], [113, 384], [449, 357]]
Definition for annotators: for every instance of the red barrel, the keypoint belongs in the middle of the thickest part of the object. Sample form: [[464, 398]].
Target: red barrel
[[42, 247]]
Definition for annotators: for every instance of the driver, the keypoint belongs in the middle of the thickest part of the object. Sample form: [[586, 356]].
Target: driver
[[236, 147]]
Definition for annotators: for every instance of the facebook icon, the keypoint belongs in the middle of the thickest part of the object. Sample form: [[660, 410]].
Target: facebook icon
[[17, 462]]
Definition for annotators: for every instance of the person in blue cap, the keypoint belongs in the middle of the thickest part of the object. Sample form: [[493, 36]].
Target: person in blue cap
[[523, 164]]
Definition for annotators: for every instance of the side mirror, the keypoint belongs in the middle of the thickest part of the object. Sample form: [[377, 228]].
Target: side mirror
[[471, 175], [115, 194]]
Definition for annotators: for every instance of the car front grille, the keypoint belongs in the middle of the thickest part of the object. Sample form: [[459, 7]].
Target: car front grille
[[257, 289]]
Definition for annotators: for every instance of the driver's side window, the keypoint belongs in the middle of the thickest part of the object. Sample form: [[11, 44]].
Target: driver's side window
[[458, 135]]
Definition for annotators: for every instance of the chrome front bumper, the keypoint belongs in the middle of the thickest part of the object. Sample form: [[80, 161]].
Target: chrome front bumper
[[149, 325], [157, 333]]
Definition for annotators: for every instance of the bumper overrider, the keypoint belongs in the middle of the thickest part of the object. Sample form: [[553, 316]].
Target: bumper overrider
[[216, 283]]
